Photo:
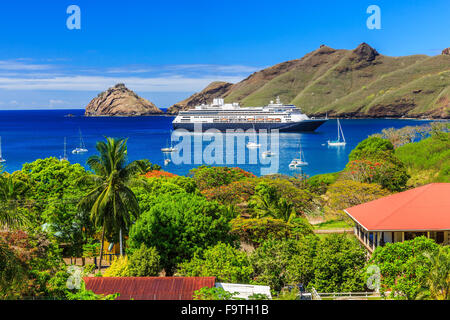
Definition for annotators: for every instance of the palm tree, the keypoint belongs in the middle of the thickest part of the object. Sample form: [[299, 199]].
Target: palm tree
[[111, 202], [12, 191], [436, 285], [267, 203]]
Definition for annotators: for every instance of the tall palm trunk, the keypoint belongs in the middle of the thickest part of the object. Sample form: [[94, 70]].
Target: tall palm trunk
[[101, 249]]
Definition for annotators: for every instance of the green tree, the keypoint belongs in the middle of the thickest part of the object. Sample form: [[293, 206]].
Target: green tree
[[374, 160], [144, 262], [222, 261], [111, 202], [268, 203], [338, 265], [371, 148], [207, 177], [436, 285], [278, 263], [52, 199], [12, 193], [257, 230], [178, 226], [348, 193], [404, 267]]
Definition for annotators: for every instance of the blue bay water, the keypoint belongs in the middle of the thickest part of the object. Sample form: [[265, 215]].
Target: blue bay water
[[29, 135]]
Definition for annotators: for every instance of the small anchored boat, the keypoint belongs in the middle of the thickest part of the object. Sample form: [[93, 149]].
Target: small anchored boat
[[1, 158], [253, 145], [64, 157], [338, 142], [298, 162], [82, 147]]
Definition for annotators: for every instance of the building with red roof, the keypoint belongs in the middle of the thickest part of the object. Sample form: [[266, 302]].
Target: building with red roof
[[423, 211], [149, 288]]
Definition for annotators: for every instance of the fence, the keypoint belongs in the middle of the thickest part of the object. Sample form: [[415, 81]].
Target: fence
[[356, 295]]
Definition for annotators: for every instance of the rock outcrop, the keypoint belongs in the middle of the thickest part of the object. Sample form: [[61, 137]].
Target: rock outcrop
[[213, 90], [446, 52], [120, 101]]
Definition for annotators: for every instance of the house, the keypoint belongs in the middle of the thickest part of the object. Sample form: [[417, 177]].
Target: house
[[423, 211], [149, 288]]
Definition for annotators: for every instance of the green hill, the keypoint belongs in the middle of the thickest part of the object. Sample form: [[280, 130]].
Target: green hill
[[351, 83]]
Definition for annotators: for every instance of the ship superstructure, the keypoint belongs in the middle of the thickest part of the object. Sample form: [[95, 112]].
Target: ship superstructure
[[223, 116]]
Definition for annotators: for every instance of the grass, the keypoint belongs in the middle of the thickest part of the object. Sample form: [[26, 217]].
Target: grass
[[427, 160], [332, 224]]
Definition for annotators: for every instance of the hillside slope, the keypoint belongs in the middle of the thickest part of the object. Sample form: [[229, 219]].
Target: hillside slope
[[350, 83]]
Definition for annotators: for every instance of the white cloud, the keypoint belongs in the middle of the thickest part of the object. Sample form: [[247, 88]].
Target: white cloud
[[18, 65], [195, 68], [54, 102], [176, 83]]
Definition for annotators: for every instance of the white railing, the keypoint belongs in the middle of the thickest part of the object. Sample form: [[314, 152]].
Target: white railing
[[334, 295]]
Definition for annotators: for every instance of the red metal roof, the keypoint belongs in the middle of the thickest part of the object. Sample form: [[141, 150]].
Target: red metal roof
[[422, 208], [149, 288]]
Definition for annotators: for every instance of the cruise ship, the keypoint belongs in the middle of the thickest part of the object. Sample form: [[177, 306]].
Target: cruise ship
[[223, 116]]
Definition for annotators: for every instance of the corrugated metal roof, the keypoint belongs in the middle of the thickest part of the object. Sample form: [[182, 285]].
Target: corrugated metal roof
[[149, 288]]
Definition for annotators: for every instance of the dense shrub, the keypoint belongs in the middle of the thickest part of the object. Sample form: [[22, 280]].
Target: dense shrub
[[404, 266], [144, 262], [256, 231], [338, 265], [371, 148], [319, 183], [374, 161], [179, 226], [348, 193], [277, 263], [207, 177], [222, 261], [119, 268]]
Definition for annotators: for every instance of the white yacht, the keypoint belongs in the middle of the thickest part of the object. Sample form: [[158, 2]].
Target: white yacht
[[1, 158], [298, 162], [169, 149], [81, 148], [251, 145], [64, 157], [338, 142]]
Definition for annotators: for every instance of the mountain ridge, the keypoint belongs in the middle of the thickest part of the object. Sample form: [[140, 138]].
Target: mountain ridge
[[358, 83]]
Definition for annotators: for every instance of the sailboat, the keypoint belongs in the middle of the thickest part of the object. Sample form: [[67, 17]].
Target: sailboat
[[64, 157], [251, 144], [338, 142], [268, 153], [1, 159], [82, 147], [299, 162], [169, 149]]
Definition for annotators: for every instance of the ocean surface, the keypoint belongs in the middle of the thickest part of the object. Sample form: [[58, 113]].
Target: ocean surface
[[29, 135]]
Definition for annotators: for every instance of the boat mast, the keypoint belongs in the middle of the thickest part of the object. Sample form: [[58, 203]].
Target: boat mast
[[339, 136], [81, 139], [342, 132], [65, 148]]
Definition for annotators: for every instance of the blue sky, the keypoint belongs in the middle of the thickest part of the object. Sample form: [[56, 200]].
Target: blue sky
[[166, 50]]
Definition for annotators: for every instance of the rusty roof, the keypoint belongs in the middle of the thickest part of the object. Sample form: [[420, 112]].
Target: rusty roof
[[149, 288]]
